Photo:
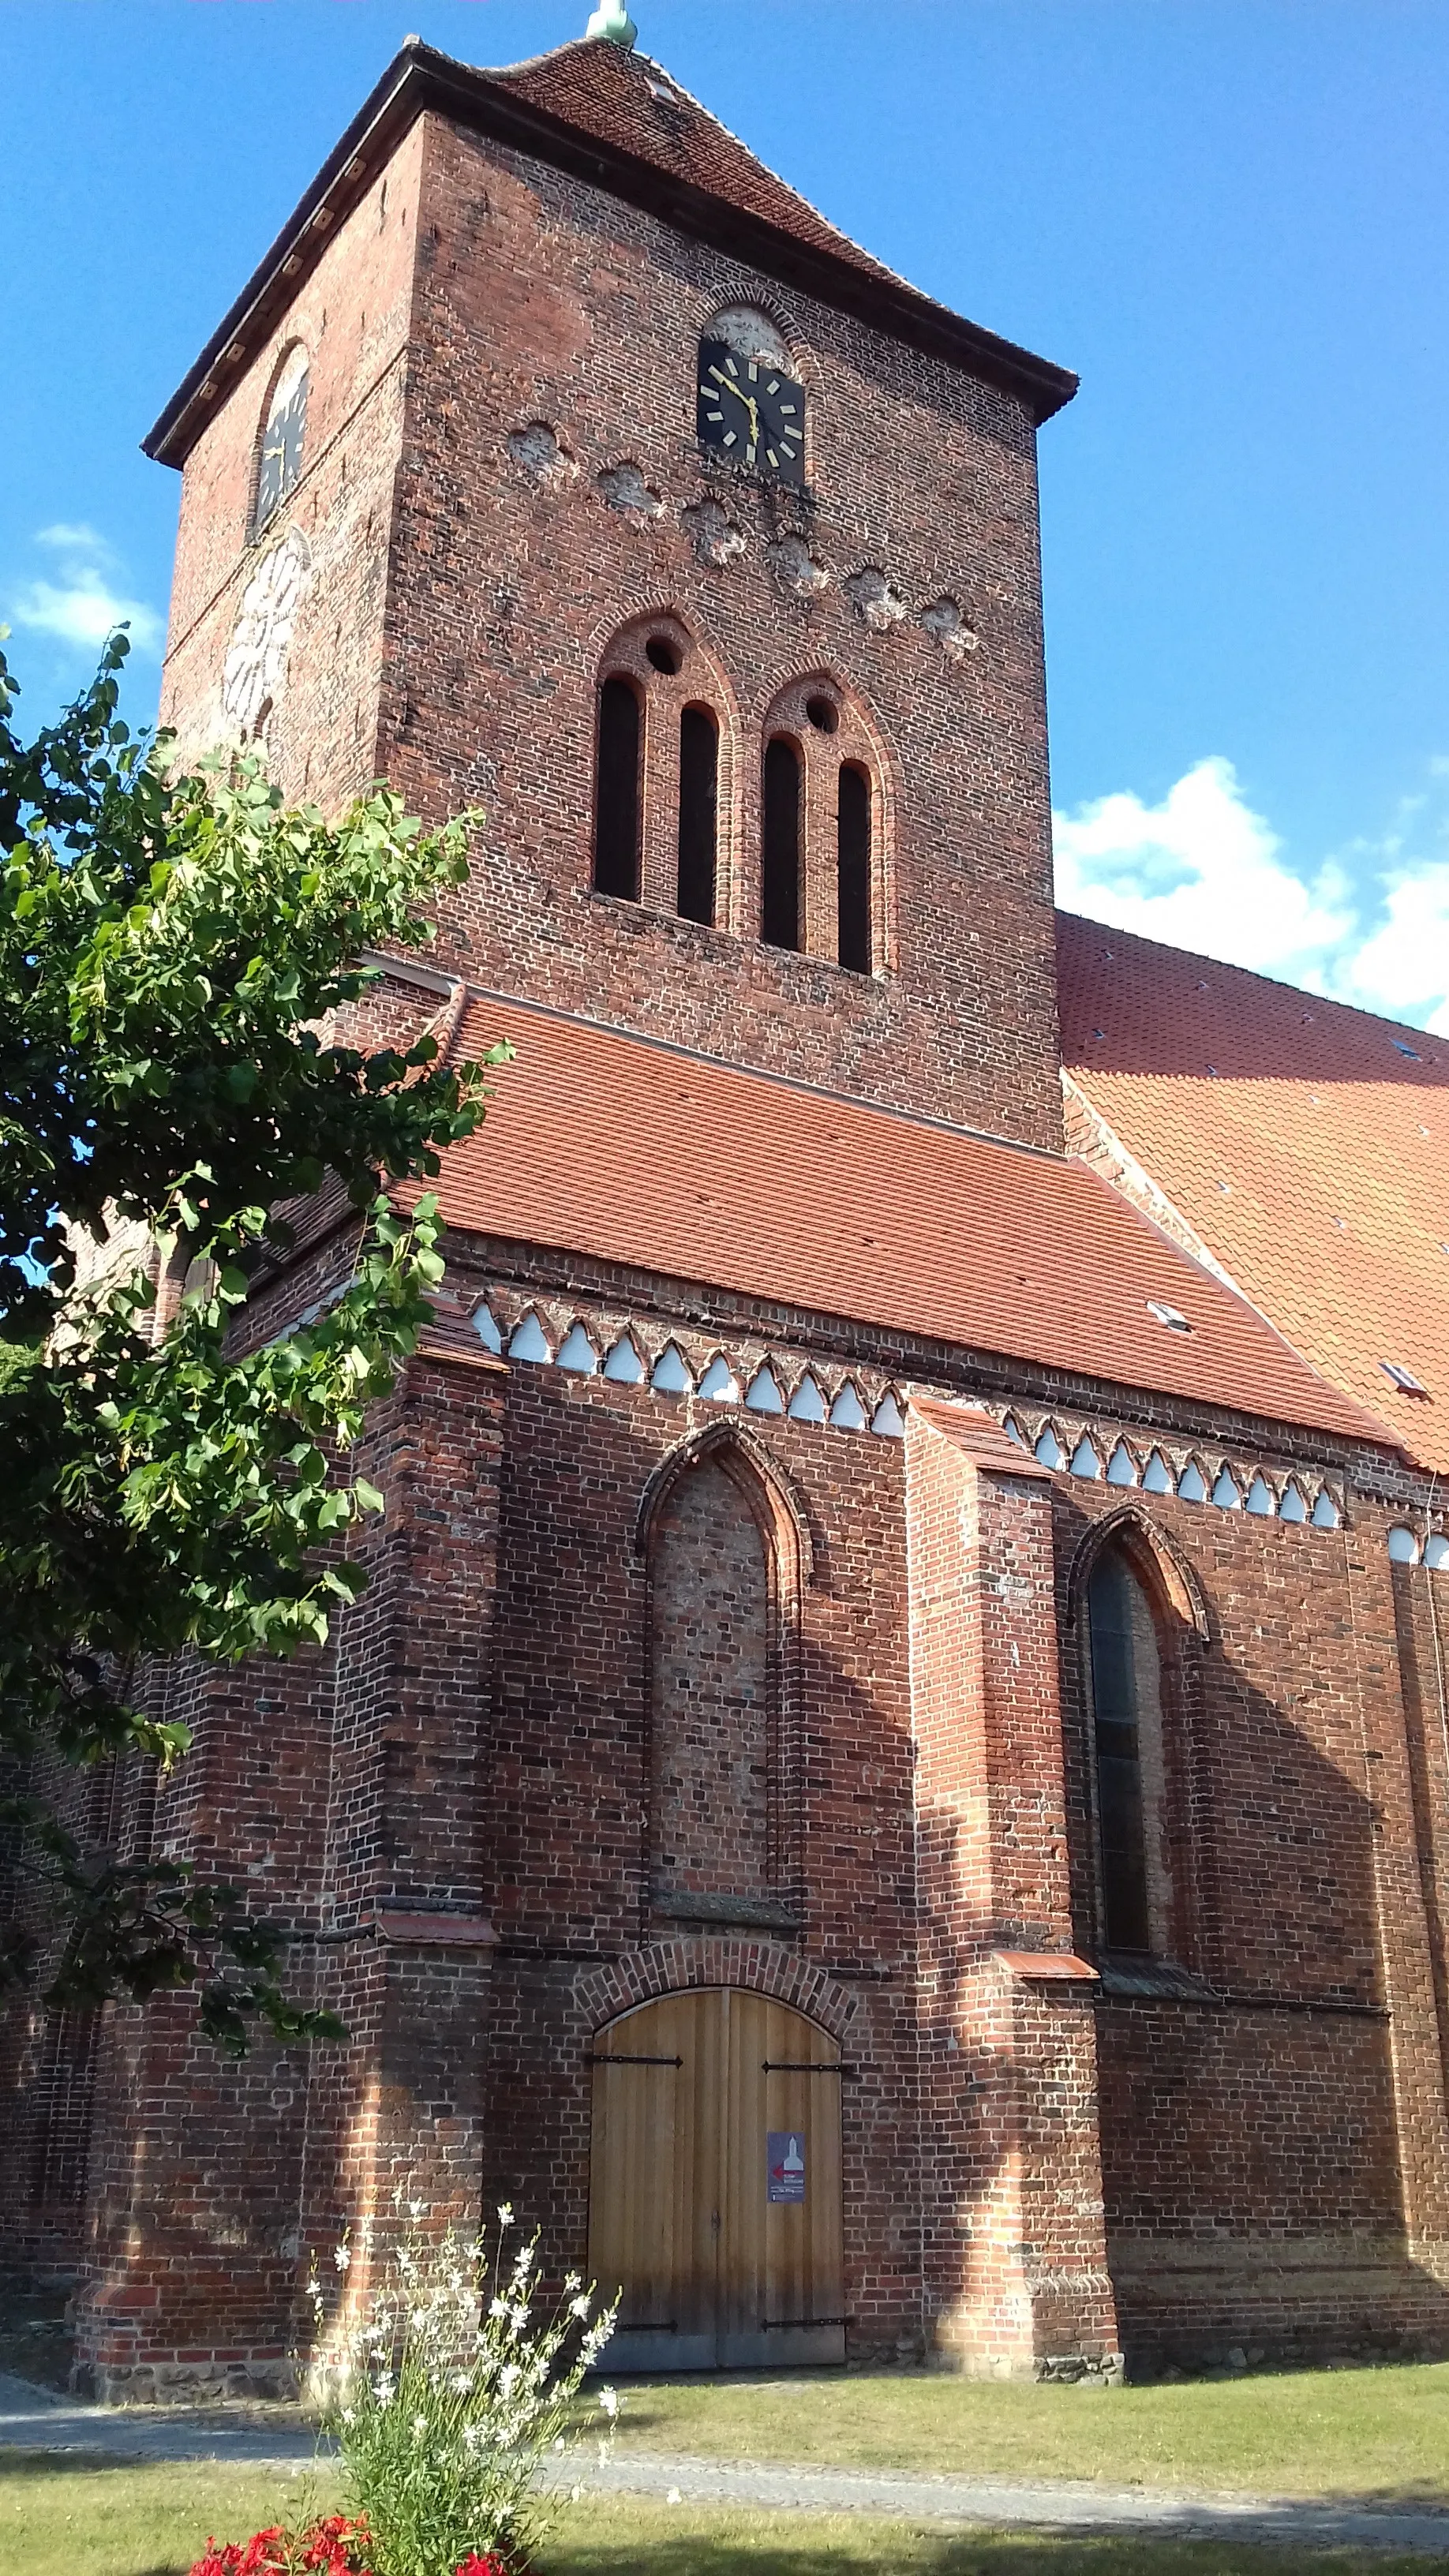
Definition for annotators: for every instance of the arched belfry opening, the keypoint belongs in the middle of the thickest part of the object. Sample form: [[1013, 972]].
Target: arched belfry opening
[[662, 772], [824, 839]]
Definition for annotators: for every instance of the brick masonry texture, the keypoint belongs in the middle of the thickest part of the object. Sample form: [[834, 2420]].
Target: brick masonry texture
[[649, 1693]]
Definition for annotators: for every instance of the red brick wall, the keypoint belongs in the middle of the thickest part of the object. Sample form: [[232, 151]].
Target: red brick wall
[[1015, 2272], [354, 316], [1265, 2165], [1272, 2150], [538, 299]]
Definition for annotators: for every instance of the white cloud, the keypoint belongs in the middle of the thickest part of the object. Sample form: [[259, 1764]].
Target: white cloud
[[1203, 871], [76, 537], [83, 604]]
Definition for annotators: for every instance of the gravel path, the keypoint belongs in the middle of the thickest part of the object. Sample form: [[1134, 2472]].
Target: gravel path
[[34, 2419]]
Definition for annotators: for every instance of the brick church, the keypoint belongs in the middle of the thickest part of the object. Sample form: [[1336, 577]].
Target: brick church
[[891, 1784]]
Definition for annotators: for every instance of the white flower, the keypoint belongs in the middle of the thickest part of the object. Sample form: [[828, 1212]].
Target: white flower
[[580, 2306], [349, 2414], [674, 2496], [508, 2378], [518, 2318], [420, 2423], [462, 2383], [342, 2256], [416, 2208], [385, 2388], [498, 2307], [560, 2444], [505, 2213], [609, 2400]]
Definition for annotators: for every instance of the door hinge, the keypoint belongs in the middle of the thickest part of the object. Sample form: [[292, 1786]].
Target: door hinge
[[632, 2061], [799, 2066]]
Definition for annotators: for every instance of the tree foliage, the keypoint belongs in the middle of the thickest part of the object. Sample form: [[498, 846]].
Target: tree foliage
[[170, 949]]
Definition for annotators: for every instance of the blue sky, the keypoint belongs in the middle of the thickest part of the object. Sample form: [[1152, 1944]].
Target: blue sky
[[1228, 215]]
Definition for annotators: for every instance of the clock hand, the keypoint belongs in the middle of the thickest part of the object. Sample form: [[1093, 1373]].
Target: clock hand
[[730, 387]]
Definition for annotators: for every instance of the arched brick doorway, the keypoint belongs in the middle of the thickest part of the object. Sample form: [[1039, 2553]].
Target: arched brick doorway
[[715, 2189]]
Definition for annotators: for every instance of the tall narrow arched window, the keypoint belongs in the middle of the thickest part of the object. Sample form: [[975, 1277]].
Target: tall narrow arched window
[[1127, 1747], [780, 869], [616, 810], [698, 813], [852, 875], [280, 461]]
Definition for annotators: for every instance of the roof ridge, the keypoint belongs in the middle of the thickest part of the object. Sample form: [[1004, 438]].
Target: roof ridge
[[1253, 974], [582, 45]]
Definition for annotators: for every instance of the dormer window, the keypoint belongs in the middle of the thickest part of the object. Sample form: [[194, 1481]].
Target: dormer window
[[280, 461]]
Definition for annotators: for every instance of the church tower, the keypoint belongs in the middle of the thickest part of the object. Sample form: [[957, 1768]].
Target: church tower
[[563, 462], [863, 1623]]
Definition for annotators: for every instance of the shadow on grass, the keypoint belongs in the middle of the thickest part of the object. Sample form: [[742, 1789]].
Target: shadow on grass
[[18, 2467], [908, 2550]]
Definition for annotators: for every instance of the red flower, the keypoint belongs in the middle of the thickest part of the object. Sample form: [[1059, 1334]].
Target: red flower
[[473, 2565], [336, 2546]]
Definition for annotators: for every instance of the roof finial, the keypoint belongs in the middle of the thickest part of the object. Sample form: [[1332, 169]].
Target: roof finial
[[612, 23]]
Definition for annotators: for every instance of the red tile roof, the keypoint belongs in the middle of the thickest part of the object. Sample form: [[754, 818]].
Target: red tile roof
[[633, 103], [1307, 1144], [635, 1153], [596, 111]]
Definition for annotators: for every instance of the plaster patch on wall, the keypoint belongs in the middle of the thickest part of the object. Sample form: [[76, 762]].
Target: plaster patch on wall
[[952, 629], [622, 487], [714, 535], [536, 451], [875, 599], [796, 569]]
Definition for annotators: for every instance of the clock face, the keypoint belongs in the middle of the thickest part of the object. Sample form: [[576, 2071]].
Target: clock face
[[751, 413], [281, 455]]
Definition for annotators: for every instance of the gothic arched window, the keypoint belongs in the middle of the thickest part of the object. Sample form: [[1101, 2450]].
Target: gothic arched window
[[661, 773], [822, 857], [1127, 1747], [853, 837], [284, 431], [617, 799], [780, 851], [698, 814]]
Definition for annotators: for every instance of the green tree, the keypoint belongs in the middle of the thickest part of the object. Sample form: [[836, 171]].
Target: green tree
[[168, 946]]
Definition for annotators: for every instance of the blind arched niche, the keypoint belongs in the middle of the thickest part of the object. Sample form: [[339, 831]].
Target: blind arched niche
[[723, 1596]]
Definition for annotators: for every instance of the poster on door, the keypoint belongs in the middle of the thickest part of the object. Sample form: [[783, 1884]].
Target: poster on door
[[785, 2164]]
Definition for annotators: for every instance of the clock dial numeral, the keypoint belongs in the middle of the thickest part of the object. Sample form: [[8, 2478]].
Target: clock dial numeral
[[751, 413]]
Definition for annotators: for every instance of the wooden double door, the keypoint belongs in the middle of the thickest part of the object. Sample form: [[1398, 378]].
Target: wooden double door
[[715, 2192]]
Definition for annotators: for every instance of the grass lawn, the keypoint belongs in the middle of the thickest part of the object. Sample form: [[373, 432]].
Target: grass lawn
[[1378, 2434], [62, 2517]]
